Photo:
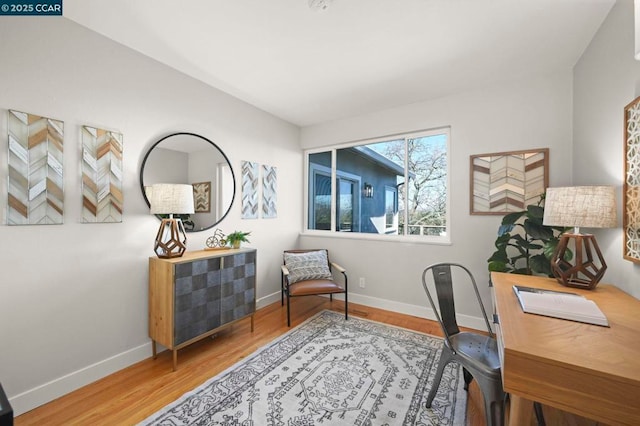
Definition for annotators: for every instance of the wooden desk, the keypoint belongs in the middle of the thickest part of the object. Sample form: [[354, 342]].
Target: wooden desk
[[584, 369]]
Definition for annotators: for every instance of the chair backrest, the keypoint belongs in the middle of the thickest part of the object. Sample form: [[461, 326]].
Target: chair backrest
[[443, 283]]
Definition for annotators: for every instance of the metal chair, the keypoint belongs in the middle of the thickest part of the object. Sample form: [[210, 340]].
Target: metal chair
[[476, 353], [317, 282]]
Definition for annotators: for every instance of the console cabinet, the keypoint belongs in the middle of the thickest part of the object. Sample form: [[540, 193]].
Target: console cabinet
[[196, 295]]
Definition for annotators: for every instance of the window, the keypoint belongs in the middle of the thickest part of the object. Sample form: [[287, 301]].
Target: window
[[387, 186]]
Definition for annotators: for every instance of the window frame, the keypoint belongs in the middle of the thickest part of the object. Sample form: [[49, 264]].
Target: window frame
[[332, 149], [396, 209]]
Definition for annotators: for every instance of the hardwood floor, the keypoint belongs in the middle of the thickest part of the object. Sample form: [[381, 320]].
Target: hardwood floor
[[132, 394]]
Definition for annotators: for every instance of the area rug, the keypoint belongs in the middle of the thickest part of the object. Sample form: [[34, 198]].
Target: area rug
[[328, 371]]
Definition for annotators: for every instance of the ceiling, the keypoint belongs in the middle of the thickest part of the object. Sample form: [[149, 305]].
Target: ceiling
[[355, 57]]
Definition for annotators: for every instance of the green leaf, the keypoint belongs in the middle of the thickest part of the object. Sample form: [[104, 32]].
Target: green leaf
[[540, 264], [498, 267], [538, 231], [568, 255], [499, 256], [550, 248], [535, 212], [512, 218]]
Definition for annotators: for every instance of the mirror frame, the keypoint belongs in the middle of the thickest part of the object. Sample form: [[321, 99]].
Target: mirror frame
[[233, 176]]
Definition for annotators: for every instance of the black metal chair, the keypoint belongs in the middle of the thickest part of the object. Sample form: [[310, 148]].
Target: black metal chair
[[311, 276], [475, 352]]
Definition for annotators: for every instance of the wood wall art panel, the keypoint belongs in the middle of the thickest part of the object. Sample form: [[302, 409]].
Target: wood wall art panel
[[36, 184], [102, 198], [506, 182], [202, 197], [269, 191], [250, 175], [631, 190]]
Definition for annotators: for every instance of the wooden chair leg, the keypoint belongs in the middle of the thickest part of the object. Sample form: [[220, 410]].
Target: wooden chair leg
[[282, 284], [288, 314]]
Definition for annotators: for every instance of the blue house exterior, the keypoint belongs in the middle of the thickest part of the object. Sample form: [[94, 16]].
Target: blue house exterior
[[367, 188]]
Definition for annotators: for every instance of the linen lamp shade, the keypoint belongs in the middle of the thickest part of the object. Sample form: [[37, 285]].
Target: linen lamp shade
[[171, 199], [579, 206]]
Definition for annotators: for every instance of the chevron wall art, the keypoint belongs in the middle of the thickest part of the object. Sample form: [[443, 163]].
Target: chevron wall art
[[202, 197], [36, 191], [102, 199], [269, 192], [508, 181], [249, 190]]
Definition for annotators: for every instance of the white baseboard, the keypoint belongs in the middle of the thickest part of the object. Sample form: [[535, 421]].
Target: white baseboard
[[477, 323], [267, 300], [47, 392]]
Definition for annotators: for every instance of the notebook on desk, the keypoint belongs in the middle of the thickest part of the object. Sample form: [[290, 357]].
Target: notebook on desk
[[559, 304]]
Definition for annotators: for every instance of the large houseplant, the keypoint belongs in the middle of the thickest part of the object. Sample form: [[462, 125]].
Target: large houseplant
[[524, 245]]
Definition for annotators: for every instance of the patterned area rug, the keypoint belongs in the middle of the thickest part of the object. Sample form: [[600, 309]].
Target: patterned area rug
[[328, 371]]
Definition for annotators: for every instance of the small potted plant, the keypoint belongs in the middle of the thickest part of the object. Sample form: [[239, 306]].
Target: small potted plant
[[237, 237]]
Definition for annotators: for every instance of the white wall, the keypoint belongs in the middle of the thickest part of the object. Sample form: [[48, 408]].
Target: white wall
[[516, 115], [606, 79], [73, 297]]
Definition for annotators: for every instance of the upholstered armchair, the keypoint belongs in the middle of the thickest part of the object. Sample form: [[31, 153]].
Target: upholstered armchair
[[309, 272]]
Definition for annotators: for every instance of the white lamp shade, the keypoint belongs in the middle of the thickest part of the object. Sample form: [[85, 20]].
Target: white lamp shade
[[169, 198], [588, 206]]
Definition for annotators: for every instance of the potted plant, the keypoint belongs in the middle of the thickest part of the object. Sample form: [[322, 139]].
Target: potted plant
[[524, 245], [237, 237]]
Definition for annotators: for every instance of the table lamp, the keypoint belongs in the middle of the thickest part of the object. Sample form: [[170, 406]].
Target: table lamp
[[579, 206], [171, 199]]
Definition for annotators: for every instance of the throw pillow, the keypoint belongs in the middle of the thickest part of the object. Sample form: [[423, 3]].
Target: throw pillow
[[312, 265]]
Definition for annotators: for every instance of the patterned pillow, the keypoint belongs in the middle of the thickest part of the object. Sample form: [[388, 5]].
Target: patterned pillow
[[312, 265]]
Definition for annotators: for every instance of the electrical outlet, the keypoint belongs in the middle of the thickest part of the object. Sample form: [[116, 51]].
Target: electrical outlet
[[362, 284]]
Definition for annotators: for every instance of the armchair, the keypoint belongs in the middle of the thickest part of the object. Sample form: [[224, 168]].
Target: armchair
[[308, 272]]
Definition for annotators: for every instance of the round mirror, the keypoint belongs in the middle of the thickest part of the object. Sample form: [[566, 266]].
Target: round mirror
[[192, 159]]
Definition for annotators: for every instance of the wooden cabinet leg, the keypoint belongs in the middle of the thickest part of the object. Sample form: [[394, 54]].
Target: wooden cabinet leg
[[154, 349], [252, 315], [175, 359], [520, 411]]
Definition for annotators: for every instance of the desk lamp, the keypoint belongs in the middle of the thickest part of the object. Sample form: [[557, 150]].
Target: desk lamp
[[171, 199], [587, 206]]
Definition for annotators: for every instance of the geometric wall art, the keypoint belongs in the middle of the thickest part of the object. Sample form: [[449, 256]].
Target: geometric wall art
[[35, 182], [249, 190], [505, 182], [202, 197], [631, 188], [102, 198], [269, 191]]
